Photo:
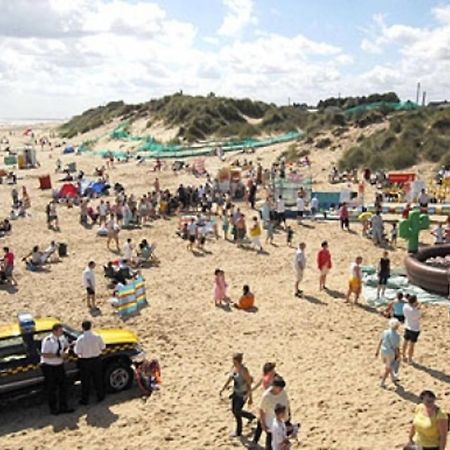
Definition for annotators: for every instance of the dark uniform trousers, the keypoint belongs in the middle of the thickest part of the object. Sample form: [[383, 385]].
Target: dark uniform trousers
[[91, 369], [56, 386]]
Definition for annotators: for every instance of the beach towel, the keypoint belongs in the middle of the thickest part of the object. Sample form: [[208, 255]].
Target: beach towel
[[398, 281], [131, 298]]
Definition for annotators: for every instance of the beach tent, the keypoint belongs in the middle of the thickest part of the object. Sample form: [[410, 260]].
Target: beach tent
[[97, 187], [68, 190], [131, 298], [69, 149]]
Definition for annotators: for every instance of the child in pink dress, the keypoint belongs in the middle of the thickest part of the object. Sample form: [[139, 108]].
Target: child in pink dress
[[220, 287]]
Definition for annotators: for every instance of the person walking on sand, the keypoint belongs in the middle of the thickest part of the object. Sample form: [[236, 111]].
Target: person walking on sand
[[389, 346], [242, 392], [88, 280], [344, 217], [355, 281], [113, 230], [429, 430], [412, 314], [220, 287], [273, 396], [300, 207], [255, 234], [299, 268], [268, 375], [324, 265], [384, 272]]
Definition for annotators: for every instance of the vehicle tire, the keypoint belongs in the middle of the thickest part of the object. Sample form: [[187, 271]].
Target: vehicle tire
[[118, 376]]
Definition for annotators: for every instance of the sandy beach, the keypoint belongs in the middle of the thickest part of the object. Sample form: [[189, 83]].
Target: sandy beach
[[323, 348]]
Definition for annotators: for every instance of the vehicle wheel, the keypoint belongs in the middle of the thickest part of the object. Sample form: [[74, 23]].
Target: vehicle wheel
[[118, 376]]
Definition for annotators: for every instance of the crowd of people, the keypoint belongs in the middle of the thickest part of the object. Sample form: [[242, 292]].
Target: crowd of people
[[205, 211]]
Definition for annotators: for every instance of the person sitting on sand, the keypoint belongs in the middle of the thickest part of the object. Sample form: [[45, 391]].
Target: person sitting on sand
[[148, 377], [36, 258], [389, 346], [355, 281], [220, 287], [5, 227], [247, 300]]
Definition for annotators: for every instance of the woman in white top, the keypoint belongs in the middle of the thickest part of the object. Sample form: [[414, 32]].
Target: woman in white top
[[412, 314], [113, 232]]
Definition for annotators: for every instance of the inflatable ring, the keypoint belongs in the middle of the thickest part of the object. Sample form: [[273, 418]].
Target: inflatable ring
[[430, 278]]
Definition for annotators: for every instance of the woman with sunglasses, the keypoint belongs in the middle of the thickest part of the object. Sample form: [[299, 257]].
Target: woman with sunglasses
[[430, 425]]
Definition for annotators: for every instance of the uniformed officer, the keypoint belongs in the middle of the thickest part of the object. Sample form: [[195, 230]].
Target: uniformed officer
[[53, 351], [89, 347]]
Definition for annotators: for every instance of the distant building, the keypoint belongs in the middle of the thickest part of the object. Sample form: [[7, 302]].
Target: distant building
[[440, 104]]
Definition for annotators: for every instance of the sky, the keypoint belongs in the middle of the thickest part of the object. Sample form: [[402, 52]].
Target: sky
[[60, 57]]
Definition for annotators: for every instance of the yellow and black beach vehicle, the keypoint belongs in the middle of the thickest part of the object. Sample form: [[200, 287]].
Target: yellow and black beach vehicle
[[20, 345]]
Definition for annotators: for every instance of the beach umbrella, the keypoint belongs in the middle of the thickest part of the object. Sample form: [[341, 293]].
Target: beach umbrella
[[367, 215]]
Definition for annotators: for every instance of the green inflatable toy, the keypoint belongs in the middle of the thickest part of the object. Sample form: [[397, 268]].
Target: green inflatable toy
[[410, 228]]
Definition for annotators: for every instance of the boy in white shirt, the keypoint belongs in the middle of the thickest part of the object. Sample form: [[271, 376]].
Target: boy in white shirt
[[280, 440]]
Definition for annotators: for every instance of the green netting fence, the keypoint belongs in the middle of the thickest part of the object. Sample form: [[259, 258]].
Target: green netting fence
[[395, 106], [151, 148]]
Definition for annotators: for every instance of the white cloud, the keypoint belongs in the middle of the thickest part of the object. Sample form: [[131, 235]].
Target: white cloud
[[59, 57], [239, 15]]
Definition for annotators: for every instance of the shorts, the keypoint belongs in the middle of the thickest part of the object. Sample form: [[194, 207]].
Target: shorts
[[382, 280], [387, 360], [324, 271], [411, 335], [202, 240], [299, 275], [90, 291], [423, 205], [281, 216], [299, 213], [401, 319], [191, 238], [354, 285]]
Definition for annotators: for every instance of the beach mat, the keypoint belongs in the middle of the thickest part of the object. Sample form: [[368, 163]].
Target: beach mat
[[397, 282]]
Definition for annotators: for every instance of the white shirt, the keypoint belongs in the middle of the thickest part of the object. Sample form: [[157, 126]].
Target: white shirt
[[88, 278], [299, 260], [128, 250], [89, 345], [355, 270], [50, 345], [192, 229], [279, 434], [300, 204], [268, 403], [412, 317], [315, 203], [439, 235], [102, 209], [423, 198], [280, 206]]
